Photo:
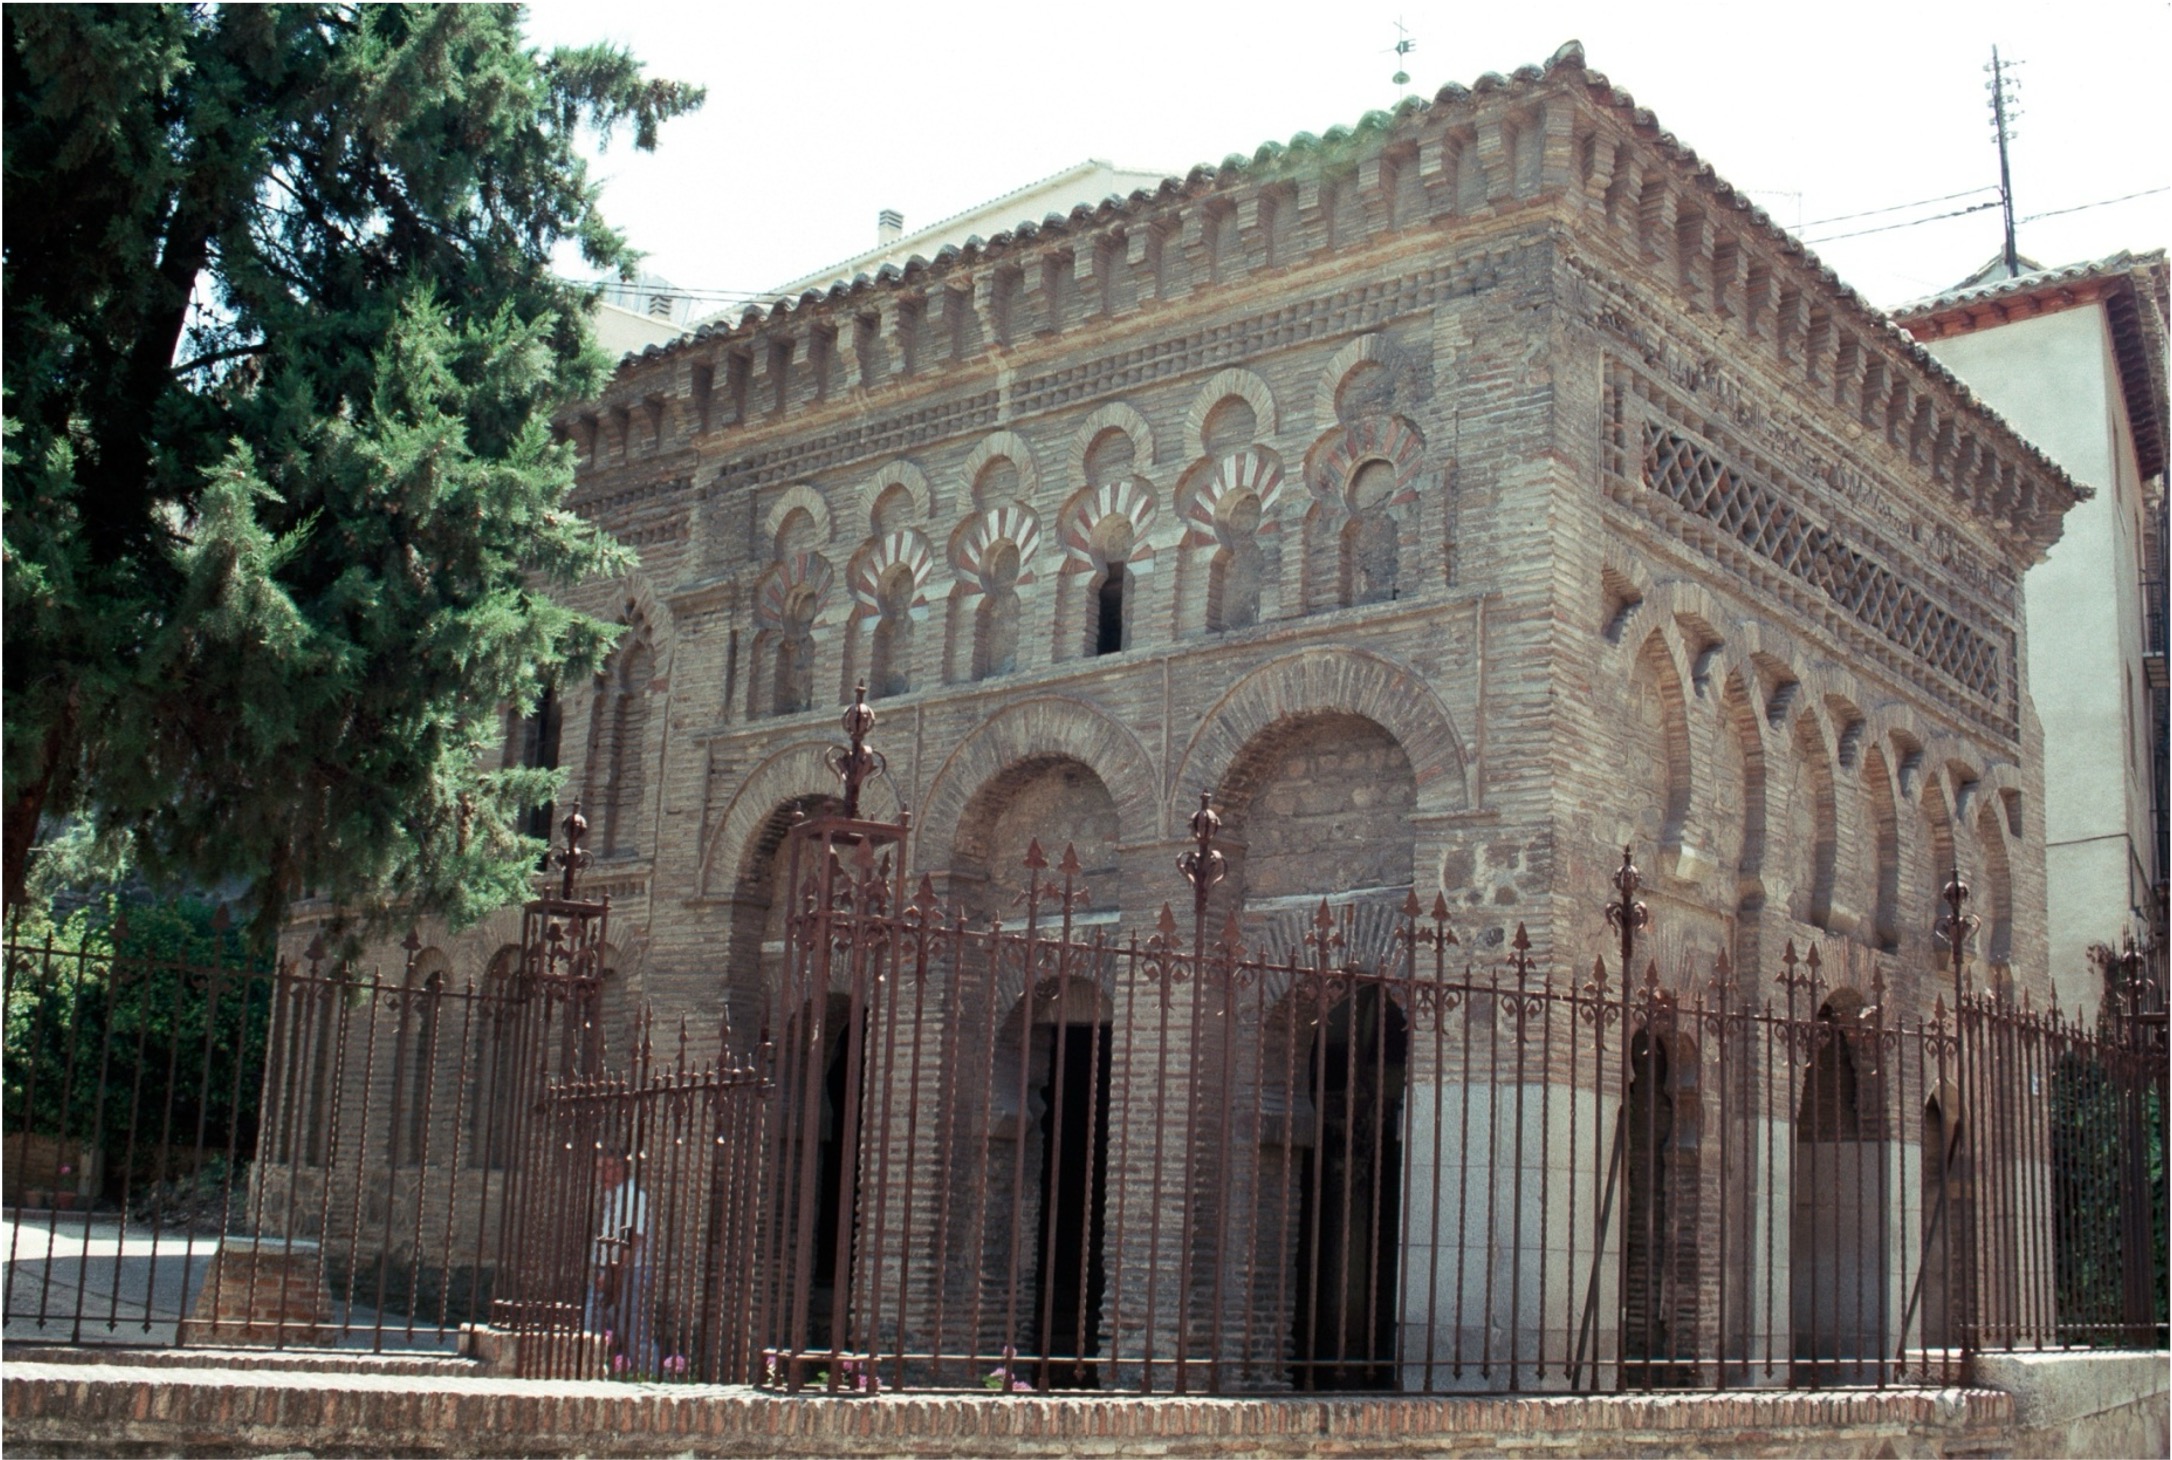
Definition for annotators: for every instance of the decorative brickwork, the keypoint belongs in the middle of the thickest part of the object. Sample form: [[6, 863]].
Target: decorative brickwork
[[1457, 497]]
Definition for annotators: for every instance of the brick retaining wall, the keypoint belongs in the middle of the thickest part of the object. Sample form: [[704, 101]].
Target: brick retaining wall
[[117, 1409]]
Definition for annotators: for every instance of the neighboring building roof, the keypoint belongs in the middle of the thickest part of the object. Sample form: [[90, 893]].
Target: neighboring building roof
[[649, 294], [2131, 287], [1086, 183], [622, 332]]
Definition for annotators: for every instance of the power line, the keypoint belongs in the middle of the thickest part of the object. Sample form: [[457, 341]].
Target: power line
[[1981, 207], [1894, 207], [2100, 203], [1910, 223]]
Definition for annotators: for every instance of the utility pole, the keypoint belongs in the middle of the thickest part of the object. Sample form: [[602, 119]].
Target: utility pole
[[2005, 109]]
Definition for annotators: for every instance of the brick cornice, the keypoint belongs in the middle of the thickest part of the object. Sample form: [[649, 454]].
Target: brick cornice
[[1556, 138]]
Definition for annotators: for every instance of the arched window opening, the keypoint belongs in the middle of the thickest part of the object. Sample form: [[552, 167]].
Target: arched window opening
[[1816, 824], [1658, 1224], [1371, 552], [1885, 835], [795, 655], [822, 1082], [1351, 1181], [1069, 1051], [618, 745], [1238, 568], [492, 1099], [418, 1061], [1109, 611], [995, 629], [1998, 886], [890, 672], [538, 750]]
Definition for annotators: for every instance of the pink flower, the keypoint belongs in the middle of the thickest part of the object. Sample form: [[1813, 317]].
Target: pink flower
[[676, 1364], [618, 1363]]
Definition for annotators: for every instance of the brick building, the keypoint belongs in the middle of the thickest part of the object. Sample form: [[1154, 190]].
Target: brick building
[[1459, 497]]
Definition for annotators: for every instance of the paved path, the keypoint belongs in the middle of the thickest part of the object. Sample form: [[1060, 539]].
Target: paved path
[[84, 1278]]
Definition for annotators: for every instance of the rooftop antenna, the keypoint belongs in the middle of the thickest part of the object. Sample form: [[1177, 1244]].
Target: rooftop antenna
[[2005, 91], [1405, 43]]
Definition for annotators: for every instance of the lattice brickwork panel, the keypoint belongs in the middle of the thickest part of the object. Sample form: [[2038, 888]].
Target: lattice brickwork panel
[[1694, 479]]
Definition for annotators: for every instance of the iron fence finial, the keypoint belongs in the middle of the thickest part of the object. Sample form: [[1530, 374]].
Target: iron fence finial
[[573, 858], [1203, 866], [1954, 928], [854, 762], [1626, 916]]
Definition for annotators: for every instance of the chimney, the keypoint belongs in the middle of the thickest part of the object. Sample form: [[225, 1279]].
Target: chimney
[[889, 227]]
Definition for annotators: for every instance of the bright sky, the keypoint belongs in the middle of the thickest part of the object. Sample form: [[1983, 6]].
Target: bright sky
[[820, 115]]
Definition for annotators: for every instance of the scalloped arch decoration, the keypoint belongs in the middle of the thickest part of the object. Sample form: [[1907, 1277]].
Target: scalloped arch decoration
[[969, 549], [1257, 471], [1365, 349], [1130, 498], [906, 473], [1008, 446], [1375, 438], [872, 563], [1120, 416], [794, 497], [774, 591], [1247, 387]]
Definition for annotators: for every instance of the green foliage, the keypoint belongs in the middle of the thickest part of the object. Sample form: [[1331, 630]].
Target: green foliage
[[2107, 1136], [283, 507], [144, 1040]]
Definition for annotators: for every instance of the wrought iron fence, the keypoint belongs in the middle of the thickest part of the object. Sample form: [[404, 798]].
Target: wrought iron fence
[[1059, 1157], [1057, 1153]]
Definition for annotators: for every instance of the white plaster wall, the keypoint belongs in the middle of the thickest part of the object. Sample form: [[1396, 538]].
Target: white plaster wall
[[1481, 1294], [2055, 378]]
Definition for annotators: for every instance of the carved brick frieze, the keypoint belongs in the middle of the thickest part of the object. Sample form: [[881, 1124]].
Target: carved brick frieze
[[1230, 342], [599, 502], [1805, 442], [881, 436], [1304, 321], [669, 528], [1700, 482]]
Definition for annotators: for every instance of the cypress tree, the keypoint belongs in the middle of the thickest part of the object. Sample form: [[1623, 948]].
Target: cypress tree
[[283, 507]]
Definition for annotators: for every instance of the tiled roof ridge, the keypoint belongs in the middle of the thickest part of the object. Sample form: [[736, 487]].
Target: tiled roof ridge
[[2134, 290], [2124, 262], [939, 225], [1567, 63]]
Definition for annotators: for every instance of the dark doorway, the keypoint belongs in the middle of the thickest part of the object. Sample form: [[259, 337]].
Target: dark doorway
[[1069, 1276], [1657, 1280], [1109, 626], [1352, 1182], [823, 1137], [539, 739]]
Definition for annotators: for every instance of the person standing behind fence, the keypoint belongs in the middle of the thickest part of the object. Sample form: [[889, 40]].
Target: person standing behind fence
[[618, 1294]]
